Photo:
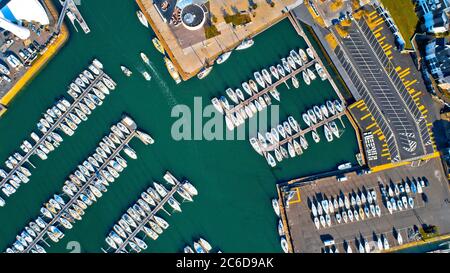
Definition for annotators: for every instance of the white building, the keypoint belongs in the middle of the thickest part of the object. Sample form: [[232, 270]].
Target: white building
[[14, 12]]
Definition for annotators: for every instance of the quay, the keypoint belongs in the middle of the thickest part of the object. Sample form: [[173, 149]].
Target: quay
[[313, 127], [72, 12], [269, 88], [80, 191], [48, 53], [158, 207], [54, 126]]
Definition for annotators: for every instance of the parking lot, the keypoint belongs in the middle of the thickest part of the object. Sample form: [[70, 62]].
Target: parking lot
[[429, 208], [391, 105]]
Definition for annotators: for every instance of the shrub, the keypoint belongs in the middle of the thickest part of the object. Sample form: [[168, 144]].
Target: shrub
[[238, 19], [211, 31]]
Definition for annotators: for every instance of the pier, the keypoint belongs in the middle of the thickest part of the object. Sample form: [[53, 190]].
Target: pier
[[73, 199], [72, 12], [158, 207], [54, 126], [313, 127], [271, 87]]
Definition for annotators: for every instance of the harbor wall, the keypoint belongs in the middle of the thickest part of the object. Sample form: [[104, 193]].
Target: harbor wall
[[210, 60], [40, 63]]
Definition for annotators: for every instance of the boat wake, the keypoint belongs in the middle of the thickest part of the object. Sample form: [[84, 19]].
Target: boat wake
[[166, 91]]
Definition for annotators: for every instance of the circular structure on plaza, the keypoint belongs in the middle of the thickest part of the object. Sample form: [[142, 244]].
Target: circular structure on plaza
[[193, 17]]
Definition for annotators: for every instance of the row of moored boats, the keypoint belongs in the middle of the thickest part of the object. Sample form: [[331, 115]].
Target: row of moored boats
[[82, 188], [345, 208], [199, 246], [283, 241], [399, 196], [141, 216], [63, 115], [249, 99]]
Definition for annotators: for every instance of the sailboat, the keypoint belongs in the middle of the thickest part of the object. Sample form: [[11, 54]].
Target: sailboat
[[126, 71], [223, 57], [204, 72], [158, 45], [246, 43], [142, 19]]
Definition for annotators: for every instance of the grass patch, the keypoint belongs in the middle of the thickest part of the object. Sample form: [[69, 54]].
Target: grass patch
[[405, 17], [238, 19], [211, 31]]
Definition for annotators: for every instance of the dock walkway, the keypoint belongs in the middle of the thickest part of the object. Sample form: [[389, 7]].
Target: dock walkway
[[158, 207], [271, 87], [313, 127]]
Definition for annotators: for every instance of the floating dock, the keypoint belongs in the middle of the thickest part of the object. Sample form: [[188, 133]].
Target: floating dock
[[74, 198], [72, 12], [54, 126], [140, 226]]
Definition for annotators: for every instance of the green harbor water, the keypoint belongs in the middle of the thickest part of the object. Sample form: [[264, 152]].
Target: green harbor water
[[233, 209]]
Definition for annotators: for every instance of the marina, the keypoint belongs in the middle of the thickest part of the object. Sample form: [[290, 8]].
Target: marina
[[82, 188], [149, 103], [151, 215], [63, 113]]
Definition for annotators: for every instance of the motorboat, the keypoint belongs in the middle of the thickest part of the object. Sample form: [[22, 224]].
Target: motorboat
[[284, 245], [232, 95], [281, 131], [297, 59], [291, 149], [253, 86], [378, 210], [295, 82], [239, 94], [297, 147], [303, 56], [411, 202], [318, 112], [286, 65], [259, 79], [142, 18], [399, 238], [328, 134], [321, 72], [223, 57], [306, 119], [316, 222], [315, 137], [322, 221], [246, 43], [266, 76], [156, 228], [291, 63], [247, 88], [275, 94], [312, 116], [311, 74], [310, 53], [287, 127], [281, 70], [344, 216], [338, 106], [338, 218], [274, 72], [205, 71], [161, 222], [306, 78], [276, 207], [217, 105]]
